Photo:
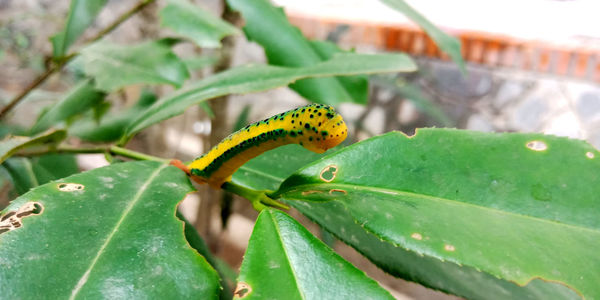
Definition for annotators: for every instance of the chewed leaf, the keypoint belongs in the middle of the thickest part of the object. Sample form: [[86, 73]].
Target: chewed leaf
[[456, 210], [109, 232]]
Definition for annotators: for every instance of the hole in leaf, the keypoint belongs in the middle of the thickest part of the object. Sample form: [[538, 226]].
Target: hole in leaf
[[537, 146], [589, 155], [12, 219], [448, 247], [70, 187], [242, 290], [328, 173], [337, 192], [305, 193], [416, 236]]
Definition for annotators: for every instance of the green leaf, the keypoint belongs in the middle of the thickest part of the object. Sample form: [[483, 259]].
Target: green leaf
[[50, 167], [21, 174], [285, 45], [268, 170], [447, 43], [11, 144], [115, 66], [285, 261], [357, 86], [111, 127], [81, 14], [27, 173], [248, 79], [106, 233], [81, 98], [190, 21], [515, 207], [196, 242]]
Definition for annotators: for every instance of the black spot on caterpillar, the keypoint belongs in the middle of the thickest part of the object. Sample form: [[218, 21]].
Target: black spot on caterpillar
[[217, 166]]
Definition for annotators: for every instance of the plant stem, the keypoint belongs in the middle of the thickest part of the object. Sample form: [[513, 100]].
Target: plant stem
[[259, 199], [58, 66], [115, 150], [134, 154]]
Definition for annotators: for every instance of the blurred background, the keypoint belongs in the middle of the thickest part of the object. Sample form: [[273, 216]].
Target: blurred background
[[531, 66]]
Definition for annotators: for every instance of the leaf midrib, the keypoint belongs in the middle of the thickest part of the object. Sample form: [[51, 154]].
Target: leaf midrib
[[83, 280], [434, 198], [280, 239]]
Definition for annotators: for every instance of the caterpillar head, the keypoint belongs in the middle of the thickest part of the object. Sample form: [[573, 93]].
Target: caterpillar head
[[326, 128]]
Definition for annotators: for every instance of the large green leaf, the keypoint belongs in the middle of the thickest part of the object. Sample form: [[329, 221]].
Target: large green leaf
[[82, 97], [447, 43], [115, 66], [111, 127], [107, 233], [285, 261], [81, 14], [11, 144], [476, 206], [285, 45], [248, 79], [192, 22]]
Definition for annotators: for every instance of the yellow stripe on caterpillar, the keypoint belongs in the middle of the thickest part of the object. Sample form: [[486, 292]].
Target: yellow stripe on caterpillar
[[316, 127]]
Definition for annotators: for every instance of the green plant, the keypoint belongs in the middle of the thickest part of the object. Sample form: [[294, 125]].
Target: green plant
[[473, 214]]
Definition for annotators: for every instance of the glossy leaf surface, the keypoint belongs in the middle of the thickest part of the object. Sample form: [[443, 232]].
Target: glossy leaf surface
[[285, 45], [501, 204], [192, 22], [115, 66], [248, 79], [285, 261], [106, 233], [81, 14]]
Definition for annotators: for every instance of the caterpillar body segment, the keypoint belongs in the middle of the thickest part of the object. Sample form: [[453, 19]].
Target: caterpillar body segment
[[316, 127]]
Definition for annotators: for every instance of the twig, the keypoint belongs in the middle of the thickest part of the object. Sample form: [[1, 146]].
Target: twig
[[58, 66], [115, 150]]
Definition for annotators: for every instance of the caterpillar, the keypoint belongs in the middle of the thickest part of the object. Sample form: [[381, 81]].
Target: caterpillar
[[316, 127]]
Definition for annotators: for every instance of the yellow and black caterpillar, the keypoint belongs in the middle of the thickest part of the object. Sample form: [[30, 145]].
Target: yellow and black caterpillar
[[316, 127]]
